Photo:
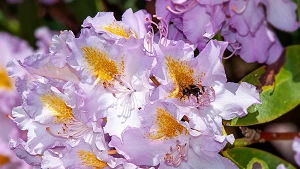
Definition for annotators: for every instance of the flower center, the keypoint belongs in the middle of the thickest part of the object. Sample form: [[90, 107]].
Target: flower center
[[101, 65], [89, 159], [5, 81], [167, 126], [3, 160], [55, 104], [182, 76], [116, 29], [63, 114]]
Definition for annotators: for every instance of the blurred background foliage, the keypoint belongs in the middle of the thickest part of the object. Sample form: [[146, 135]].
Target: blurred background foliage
[[22, 19]]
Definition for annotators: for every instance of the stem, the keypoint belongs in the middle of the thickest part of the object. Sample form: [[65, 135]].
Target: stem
[[257, 136], [266, 136]]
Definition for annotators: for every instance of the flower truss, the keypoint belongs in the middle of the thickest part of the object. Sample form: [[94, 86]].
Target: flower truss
[[120, 96], [245, 24], [14, 48]]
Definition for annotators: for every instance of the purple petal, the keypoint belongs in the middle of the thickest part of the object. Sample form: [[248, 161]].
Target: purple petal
[[209, 61], [194, 24], [282, 14]]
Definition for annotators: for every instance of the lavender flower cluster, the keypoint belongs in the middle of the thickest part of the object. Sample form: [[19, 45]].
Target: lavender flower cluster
[[13, 47], [122, 96], [245, 24]]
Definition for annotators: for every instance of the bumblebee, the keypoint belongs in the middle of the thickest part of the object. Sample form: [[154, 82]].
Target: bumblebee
[[195, 90]]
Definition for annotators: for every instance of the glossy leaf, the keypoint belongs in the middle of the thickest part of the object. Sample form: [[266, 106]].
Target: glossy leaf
[[245, 157], [277, 84]]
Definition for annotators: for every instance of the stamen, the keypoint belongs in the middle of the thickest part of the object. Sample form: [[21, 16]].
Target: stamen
[[207, 97], [125, 95], [199, 96], [196, 130], [213, 94], [112, 152], [10, 117], [238, 11], [73, 129], [154, 80], [149, 41], [129, 103], [234, 8], [176, 155], [4, 160], [163, 28], [150, 21], [234, 51], [182, 8]]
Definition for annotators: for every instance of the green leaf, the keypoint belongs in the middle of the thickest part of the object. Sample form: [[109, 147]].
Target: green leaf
[[8, 24], [245, 157], [279, 84], [82, 8]]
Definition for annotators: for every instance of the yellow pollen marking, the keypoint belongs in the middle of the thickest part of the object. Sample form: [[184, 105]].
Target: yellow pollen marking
[[181, 74], [167, 125], [116, 29], [89, 159], [101, 65], [5, 81], [4, 160], [61, 111]]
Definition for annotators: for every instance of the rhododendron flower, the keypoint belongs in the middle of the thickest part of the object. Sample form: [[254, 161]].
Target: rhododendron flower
[[164, 140], [7, 157], [242, 23], [83, 156], [11, 48], [179, 71], [122, 74], [132, 24]]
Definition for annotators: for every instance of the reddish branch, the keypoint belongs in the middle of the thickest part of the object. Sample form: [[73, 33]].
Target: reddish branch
[[258, 136]]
